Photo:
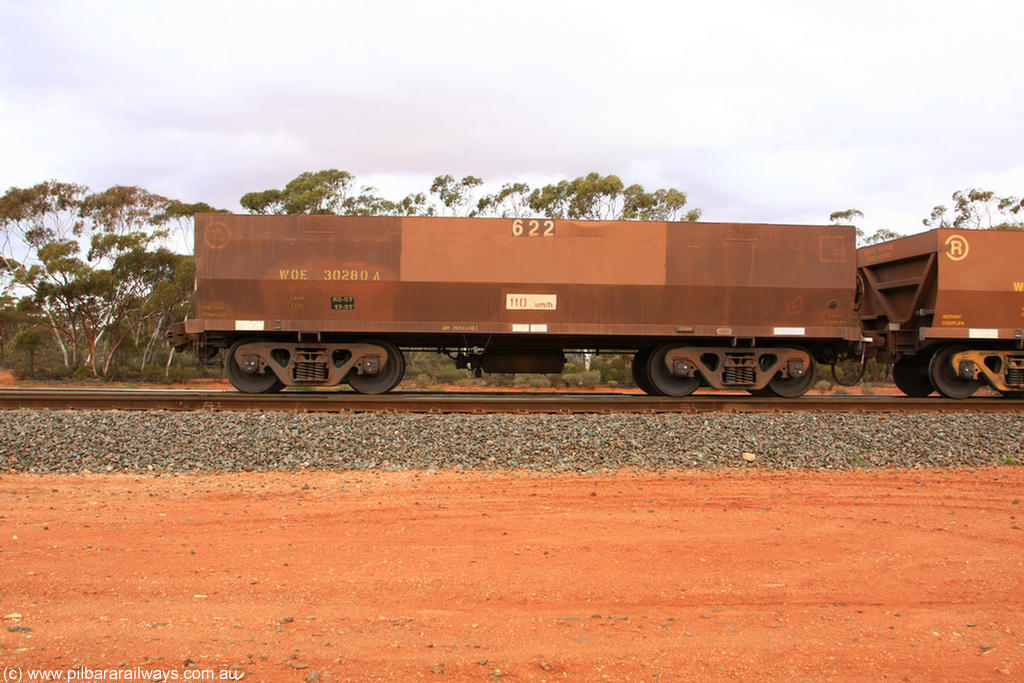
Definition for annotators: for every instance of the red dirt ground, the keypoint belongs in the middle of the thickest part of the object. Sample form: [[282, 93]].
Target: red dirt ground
[[682, 576]]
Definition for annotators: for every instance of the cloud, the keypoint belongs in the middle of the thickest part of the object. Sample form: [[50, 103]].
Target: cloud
[[761, 111]]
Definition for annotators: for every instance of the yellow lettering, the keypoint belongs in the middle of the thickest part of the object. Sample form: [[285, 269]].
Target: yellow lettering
[[522, 227], [350, 275], [1018, 286], [952, 320]]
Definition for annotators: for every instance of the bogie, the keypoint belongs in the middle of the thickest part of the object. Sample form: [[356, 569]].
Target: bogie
[[256, 365]]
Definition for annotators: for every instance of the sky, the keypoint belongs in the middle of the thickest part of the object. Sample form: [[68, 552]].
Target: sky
[[778, 112]]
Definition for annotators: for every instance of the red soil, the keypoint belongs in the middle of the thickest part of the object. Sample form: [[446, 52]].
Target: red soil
[[684, 576]]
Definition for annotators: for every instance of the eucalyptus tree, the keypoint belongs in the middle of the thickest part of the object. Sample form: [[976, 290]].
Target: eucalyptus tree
[[33, 220], [511, 201], [854, 216], [588, 197], [94, 264], [456, 196], [329, 191], [979, 210], [597, 197]]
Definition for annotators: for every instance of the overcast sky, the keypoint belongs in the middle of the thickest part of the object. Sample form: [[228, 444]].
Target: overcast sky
[[768, 111]]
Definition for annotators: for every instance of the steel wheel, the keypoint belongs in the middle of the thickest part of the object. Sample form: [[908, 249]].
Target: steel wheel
[[386, 379], [663, 381], [249, 383], [640, 376], [945, 377], [910, 373], [794, 387]]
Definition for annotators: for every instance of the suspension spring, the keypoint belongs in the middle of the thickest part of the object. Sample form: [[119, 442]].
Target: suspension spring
[[740, 375], [310, 372]]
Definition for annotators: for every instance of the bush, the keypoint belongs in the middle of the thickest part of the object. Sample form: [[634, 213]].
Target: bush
[[500, 379], [584, 378], [532, 381], [452, 374], [613, 369]]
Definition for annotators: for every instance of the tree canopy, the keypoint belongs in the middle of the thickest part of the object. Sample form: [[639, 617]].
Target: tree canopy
[[93, 269], [589, 197], [854, 216], [979, 210]]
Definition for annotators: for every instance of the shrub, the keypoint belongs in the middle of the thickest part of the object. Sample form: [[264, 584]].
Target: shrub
[[452, 374], [613, 369], [532, 381], [500, 379], [584, 378], [823, 385]]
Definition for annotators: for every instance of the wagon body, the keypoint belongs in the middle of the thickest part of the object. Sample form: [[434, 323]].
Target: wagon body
[[326, 299], [505, 282], [955, 297], [945, 284]]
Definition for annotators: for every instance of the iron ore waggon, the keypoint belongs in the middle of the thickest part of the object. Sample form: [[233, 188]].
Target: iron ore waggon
[[946, 308], [319, 300]]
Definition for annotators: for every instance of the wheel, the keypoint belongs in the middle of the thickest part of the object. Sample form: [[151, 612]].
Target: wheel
[[794, 387], [663, 381], [246, 382], [910, 373], [945, 377], [1012, 394], [384, 380], [640, 376]]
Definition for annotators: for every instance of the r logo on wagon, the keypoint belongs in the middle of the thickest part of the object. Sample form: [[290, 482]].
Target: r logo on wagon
[[217, 235], [957, 247]]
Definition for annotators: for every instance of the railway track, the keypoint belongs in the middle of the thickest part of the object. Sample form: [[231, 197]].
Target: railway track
[[511, 402]]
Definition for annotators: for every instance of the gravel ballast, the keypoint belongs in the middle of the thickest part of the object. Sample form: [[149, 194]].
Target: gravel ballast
[[103, 441]]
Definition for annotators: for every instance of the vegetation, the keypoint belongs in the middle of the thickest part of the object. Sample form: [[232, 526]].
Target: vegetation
[[973, 209], [93, 270], [589, 197], [979, 210]]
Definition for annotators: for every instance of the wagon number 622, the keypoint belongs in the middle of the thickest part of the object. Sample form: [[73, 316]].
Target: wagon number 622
[[533, 228]]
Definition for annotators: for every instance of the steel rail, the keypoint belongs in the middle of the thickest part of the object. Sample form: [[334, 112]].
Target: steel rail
[[479, 403]]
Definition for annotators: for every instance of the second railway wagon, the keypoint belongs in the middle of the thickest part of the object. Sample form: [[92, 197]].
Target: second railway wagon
[[946, 308], [310, 300]]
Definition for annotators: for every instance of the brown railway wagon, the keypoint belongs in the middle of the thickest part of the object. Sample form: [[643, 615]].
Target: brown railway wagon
[[947, 306], [316, 300]]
